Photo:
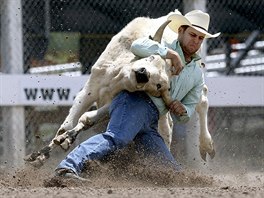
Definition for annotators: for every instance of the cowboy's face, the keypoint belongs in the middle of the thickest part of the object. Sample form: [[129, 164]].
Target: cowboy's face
[[190, 40]]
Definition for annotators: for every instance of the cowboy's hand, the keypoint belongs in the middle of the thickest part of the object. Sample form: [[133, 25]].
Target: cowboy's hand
[[177, 65], [177, 108]]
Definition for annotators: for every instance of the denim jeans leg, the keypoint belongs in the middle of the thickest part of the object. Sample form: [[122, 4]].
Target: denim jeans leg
[[129, 113], [152, 145], [96, 147], [129, 116]]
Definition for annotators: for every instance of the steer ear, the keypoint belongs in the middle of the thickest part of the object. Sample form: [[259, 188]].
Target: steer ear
[[158, 35]]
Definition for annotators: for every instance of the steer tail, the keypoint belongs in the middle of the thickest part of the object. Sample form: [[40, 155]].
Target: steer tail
[[158, 35]]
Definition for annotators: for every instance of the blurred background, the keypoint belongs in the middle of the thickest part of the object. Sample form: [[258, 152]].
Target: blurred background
[[66, 37]]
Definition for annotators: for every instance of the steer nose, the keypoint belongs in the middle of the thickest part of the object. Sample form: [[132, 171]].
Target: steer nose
[[142, 75]]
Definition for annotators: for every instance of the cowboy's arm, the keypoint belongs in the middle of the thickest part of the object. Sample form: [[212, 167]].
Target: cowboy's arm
[[190, 101], [144, 47]]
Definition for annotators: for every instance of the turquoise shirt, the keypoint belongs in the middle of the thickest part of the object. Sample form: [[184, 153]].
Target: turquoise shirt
[[186, 87]]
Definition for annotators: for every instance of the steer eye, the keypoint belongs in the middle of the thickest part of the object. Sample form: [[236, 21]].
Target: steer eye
[[158, 86]]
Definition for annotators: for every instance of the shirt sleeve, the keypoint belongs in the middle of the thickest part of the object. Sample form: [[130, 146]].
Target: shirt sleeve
[[144, 47], [190, 101]]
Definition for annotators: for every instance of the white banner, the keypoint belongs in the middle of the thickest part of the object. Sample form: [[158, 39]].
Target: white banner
[[236, 91], [42, 90]]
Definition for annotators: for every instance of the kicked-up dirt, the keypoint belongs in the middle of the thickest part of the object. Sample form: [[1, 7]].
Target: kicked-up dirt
[[130, 180]]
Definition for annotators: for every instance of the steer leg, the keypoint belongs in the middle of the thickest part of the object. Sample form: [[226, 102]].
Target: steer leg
[[84, 99], [82, 102], [166, 128], [87, 120], [206, 143], [38, 158]]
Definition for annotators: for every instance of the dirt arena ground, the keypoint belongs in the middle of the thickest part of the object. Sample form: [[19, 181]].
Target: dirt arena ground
[[116, 181], [33, 185], [227, 175]]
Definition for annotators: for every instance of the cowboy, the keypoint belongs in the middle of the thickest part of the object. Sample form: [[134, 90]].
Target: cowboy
[[192, 29], [134, 116]]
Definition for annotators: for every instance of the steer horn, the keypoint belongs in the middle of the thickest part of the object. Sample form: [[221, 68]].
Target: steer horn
[[158, 35]]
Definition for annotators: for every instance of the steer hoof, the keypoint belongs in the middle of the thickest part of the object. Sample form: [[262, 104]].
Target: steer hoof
[[37, 163], [66, 139], [212, 154], [38, 158], [65, 145], [32, 157], [59, 139], [204, 152]]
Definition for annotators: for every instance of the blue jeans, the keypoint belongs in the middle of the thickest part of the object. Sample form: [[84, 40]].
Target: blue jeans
[[133, 117]]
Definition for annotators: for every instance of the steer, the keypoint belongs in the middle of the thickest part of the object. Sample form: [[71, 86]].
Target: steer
[[118, 69]]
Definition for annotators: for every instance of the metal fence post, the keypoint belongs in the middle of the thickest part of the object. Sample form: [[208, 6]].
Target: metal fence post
[[13, 133]]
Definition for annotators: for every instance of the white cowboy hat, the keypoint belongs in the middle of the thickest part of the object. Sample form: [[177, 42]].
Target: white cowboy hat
[[196, 19]]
